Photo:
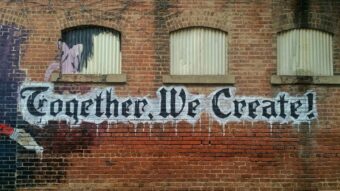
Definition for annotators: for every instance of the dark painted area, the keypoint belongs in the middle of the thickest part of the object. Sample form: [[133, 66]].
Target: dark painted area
[[11, 76], [7, 163], [11, 37], [301, 13]]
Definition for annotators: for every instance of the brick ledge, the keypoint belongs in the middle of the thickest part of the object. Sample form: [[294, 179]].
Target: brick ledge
[[319, 80], [198, 79], [95, 78]]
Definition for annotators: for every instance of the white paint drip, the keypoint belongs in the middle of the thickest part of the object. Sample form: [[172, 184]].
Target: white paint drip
[[228, 128], [176, 128], [135, 128], [150, 129], [40, 155], [200, 125], [209, 125]]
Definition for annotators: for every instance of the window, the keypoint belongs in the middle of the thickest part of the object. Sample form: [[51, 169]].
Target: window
[[198, 51], [91, 50], [305, 52]]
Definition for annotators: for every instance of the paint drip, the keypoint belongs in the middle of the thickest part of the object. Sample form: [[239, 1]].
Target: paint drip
[[97, 130], [209, 125], [176, 128], [200, 125], [150, 129], [135, 128]]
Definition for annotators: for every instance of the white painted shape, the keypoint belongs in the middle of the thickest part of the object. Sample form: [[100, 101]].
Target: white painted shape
[[26, 140]]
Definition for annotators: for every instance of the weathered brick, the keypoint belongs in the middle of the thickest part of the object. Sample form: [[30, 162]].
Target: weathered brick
[[203, 156]]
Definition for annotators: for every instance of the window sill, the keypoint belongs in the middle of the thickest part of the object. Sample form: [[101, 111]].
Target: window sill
[[94, 78], [327, 80], [198, 79]]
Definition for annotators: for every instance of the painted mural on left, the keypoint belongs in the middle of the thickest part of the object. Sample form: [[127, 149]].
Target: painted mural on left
[[12, 135], [11, 38]]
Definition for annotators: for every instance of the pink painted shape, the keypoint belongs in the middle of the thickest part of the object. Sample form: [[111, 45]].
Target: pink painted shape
[[51, 68], [70, 60]]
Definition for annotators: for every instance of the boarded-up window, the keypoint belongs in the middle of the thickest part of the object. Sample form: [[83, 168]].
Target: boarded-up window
[[305, 52], [101, 49], [198, 51]]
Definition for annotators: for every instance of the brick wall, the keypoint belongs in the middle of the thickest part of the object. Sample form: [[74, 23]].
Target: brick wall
[[11, 37], [168, 156], [7, 164]]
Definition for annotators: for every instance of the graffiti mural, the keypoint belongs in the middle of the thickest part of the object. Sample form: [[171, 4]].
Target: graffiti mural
[[11, 38], [69, 60], [11, 76], [39, 104], [21, 137]]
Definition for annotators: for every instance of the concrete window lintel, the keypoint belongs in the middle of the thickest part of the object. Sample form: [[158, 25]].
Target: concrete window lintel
[[198, 79], [319, 80], [110, 78]]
